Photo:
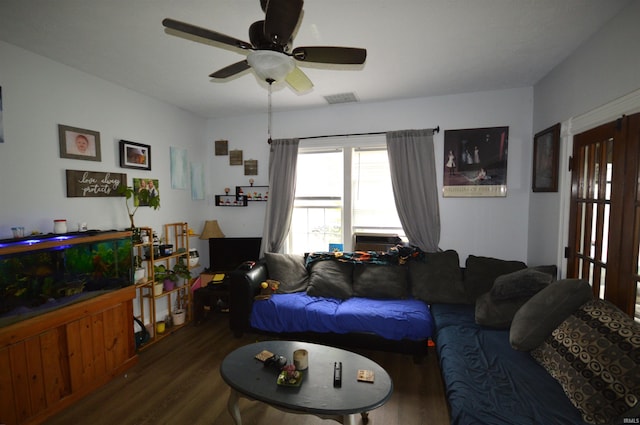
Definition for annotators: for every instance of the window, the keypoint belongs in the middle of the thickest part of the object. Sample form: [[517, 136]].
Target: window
[[343, 186]]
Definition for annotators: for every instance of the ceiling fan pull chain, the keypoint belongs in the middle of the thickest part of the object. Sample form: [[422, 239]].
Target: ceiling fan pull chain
[[270, 81]]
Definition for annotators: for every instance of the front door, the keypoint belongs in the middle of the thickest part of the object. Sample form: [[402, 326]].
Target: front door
[[604, 223]]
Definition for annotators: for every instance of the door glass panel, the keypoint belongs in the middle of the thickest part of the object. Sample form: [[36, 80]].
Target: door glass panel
[[637, 309], [582, 193], [605, 233], [609, 169], [595, 172], [582, 218]]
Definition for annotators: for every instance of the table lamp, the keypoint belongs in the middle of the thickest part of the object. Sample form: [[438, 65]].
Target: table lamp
[[211, 230]]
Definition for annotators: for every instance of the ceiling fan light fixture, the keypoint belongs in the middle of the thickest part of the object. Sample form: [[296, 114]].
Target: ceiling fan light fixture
[[270, 65]]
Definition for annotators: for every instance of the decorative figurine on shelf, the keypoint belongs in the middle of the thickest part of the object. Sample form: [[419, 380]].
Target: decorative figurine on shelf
[[226, 190], [267, 288], [251, 182]]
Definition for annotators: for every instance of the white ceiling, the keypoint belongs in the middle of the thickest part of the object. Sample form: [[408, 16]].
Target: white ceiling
[[415, 48]]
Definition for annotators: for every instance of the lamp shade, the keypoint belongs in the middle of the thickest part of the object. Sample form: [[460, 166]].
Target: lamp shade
[[211, 230]]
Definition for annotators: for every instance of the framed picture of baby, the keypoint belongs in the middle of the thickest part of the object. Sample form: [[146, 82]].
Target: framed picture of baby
[[79, 143]]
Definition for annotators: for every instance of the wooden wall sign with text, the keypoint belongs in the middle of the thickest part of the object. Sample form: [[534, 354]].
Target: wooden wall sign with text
[[91, 184]]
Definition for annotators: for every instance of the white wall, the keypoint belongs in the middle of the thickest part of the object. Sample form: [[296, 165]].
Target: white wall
[[603, 69], [38, 94], [482, 226]]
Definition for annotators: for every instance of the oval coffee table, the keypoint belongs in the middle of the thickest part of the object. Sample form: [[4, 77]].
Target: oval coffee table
[[249, 378]]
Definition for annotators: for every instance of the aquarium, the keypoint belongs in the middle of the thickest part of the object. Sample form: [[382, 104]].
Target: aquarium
[[45, 272]]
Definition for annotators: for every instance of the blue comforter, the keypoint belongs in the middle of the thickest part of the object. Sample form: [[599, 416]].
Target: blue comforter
[[298, 312], [488, 382]]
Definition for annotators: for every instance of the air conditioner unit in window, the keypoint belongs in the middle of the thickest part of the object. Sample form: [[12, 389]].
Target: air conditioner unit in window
[[374, 241]]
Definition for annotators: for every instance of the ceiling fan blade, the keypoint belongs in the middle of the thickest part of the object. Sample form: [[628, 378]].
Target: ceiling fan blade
[[330, 54], [231, 70], [205, 33], [281, 19], [256, 35], [298, 80]]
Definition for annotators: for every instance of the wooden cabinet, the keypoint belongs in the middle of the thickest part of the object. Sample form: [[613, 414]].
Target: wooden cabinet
[[52, 360], [158, 306]]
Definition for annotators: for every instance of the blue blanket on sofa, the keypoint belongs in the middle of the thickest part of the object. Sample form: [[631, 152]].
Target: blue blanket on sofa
[[488, 382], [298, 312]]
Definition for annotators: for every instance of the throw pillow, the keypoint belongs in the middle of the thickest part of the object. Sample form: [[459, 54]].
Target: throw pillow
[[289, 270], [481, 272], [331, 279], [437, 279], [551, 269], [496, 313], [539, 316], [595, 355], [522, 284], [380, 281]]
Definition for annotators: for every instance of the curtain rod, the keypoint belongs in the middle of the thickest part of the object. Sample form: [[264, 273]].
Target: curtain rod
[[435, 130]]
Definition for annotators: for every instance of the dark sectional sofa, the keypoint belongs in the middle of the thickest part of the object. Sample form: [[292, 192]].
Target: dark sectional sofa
[[515, 345]]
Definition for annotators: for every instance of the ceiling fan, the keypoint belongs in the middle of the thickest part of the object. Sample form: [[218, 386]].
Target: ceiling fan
[[268, 53]]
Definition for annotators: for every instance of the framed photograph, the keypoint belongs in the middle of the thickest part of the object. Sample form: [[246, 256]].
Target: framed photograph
[[546, 157], [475, 162], [79, 143], [135, 155], [152, 185]]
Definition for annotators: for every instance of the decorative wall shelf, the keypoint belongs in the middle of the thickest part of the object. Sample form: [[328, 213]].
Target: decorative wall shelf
[[231, 201], [253, 193]]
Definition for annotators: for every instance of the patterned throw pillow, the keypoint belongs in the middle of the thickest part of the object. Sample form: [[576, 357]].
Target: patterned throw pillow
[[595, 355]]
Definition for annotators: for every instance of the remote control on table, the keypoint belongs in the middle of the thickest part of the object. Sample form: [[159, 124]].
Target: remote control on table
[[337, 374]]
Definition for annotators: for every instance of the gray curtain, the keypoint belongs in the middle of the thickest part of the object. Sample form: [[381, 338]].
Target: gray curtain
[[415, 188], [283, 160]]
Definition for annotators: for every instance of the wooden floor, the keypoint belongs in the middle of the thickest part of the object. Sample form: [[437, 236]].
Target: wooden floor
[[177, 381]]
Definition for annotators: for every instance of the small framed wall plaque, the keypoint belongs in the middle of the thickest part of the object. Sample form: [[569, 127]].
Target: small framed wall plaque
[[222, 147], [235, 157], [251, 167]]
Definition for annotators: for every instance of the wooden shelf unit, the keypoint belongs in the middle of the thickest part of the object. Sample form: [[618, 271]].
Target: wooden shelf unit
[[176, 234]]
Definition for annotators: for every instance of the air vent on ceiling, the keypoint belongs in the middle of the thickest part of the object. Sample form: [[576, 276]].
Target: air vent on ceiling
[[341, 98]]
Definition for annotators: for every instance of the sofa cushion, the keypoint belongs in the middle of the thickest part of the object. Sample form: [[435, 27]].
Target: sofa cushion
[[380, 281], [437, 279], [539, 316], [522, 284], [332, 279], [481, 272], [595, 355], [496, 313], [289, 270]]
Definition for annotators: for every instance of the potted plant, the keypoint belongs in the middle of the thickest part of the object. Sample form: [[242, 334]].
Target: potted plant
[[182, 271], [160, 274], [144, 196], [139, 273], [164, 278]]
